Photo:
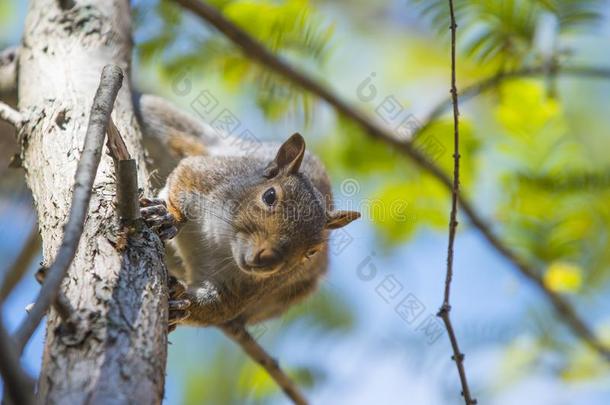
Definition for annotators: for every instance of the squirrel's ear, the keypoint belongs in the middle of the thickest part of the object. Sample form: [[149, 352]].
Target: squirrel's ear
[[338, 219], [288, 158]]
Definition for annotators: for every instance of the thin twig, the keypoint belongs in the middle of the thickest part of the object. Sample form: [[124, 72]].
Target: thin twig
[[256, 51], [238, 332], [30, 249], [10, 115], [17, 384], [110, 83], [445, 311]]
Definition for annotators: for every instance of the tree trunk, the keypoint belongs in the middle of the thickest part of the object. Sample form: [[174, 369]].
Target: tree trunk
[[119, 290]]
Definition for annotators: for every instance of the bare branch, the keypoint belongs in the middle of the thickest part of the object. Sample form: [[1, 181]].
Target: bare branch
[[110, 83], [10, 115], [30, 249], [127, 175], [445, 311], [8, 69], [17, 384], [256, 51], [237, 331]]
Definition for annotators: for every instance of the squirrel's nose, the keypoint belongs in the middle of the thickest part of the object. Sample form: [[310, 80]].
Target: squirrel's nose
[[266, 257]]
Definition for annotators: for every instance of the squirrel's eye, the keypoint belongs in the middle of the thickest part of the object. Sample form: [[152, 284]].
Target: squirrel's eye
[[311, 252], [269, 197]]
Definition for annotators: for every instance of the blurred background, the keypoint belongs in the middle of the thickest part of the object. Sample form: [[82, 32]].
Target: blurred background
[[534, 160]]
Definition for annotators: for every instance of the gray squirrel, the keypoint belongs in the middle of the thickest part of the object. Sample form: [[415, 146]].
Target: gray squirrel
[[249, 224]]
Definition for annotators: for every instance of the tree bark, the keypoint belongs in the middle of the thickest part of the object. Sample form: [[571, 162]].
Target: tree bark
[[117, 280]]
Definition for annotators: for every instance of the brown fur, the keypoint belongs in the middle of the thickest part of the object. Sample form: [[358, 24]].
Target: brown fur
[[226, 225]]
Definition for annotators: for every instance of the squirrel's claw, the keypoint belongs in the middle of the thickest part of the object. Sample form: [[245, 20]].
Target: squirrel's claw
[[147, 202], [177, 304], [176, 288], [167, 232], [155, 215], [175, 317]]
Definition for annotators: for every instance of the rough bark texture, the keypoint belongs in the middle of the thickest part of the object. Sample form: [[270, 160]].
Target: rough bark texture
[[117, 281]]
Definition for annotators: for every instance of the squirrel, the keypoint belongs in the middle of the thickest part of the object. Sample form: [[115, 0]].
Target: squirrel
[[250, 227]]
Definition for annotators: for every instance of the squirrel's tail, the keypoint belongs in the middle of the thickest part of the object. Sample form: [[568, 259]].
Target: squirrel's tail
[[183, 145]]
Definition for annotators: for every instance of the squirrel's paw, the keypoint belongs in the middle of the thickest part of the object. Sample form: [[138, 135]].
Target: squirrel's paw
[[178, 303], [157, 217]]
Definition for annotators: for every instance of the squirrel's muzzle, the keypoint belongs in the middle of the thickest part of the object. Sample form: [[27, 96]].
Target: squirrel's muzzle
[[263, 257]]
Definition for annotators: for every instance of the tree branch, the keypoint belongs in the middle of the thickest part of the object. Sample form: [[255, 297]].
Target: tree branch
[[238, 333], [10, 115], [491, 82], [110, 83], [256, 51], [30, 249], [127, 175], [17, 384], [445, 311], [8, 69]]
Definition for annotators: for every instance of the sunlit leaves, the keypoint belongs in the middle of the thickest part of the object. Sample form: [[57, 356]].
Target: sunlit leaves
[[504, 32], [6, 10], [282, 26], [256, 386], [440, 132], [563, 277], [216, 382], [525, 109], [406, 199], [400, 208], [554, 206], [231, 378], [290, 28], [491, 29], [350, 152], [254, 381]]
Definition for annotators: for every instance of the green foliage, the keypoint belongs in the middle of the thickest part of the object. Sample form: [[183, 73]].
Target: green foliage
[[401, 207], [290, 28], [350, 152], [257, 387], [406, 198], [503, 32], [575, 13], [230, 378], [551, 223], [215, 383], [7, 10]]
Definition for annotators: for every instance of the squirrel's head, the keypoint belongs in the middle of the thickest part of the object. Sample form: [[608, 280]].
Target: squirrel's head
[[282, 220]]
